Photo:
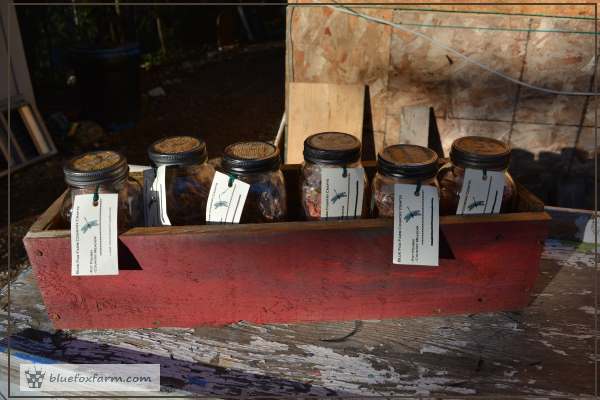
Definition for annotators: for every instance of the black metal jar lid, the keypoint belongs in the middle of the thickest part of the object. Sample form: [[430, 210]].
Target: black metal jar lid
[[332, 148], [178, 150], [480, 153], [95, 168], [250, 157], [408, 161]]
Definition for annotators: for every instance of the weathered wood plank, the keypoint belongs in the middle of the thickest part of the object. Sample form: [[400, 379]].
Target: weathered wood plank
[[546, 350], [279, 281]]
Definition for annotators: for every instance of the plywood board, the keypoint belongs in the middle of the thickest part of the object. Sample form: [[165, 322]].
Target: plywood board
[[328, 46], [418, 126], [562, 61], [548, 46], [321, 107]]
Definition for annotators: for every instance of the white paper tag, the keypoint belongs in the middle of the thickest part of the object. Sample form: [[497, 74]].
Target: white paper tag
[[94, 235], [138, 168], [225, 202], [589, 232], [342, 196], [155, 199], [481, 196], [416, 225]]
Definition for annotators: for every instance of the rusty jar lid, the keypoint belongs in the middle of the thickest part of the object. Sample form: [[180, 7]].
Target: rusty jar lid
[[95, 167], [250, 157], [332, 148], [178, 150], [480, 153], [408, 161]]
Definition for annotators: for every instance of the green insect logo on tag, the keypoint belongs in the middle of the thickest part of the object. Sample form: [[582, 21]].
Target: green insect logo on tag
[[411, 215], [221, 203], [475, 204], [88, 225], [338, 196]]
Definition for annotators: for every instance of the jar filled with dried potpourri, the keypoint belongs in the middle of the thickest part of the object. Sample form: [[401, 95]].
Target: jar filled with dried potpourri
[[187, 178], [401, 163], [101, 172], [332, 181], [483, 163], [256, 164]]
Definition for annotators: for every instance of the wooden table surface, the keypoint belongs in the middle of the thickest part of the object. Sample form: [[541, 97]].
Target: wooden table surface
[[544, 350]]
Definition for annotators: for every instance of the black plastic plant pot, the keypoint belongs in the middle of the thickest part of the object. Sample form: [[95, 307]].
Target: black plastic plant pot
[[109, 83]]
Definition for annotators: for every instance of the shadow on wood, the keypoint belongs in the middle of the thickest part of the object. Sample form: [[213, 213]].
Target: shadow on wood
[[196, 377]]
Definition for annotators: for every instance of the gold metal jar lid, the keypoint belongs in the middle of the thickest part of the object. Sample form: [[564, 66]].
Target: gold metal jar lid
[[332, 148], [408, 161], [250, 157], [178, 150], [480, 152], [95, 167]]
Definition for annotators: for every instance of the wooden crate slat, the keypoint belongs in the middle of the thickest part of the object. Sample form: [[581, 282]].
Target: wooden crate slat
[[186, 276], [4, 148], [39, 135], [44, 130], [13, 140], [33, 127]]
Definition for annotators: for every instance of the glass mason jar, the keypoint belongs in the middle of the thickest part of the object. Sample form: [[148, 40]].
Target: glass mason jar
[[104, 172], [187, 177], [327, 150], [474, 152], [257, 163], [401, 163]]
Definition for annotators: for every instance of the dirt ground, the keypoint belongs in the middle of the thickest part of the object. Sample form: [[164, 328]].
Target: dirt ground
[[238, 95]]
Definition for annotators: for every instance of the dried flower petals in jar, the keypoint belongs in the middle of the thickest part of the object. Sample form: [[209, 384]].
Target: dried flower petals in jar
[[483, 156], [104, 172], [257, 164], [401, 163], [332, 166], [187, 177]]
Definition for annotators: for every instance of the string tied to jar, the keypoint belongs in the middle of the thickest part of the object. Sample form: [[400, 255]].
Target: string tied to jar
[[418, 188], [96, 195]]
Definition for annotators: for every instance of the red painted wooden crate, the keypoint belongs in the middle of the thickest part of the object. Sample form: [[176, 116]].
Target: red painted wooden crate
[[289, 272]]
